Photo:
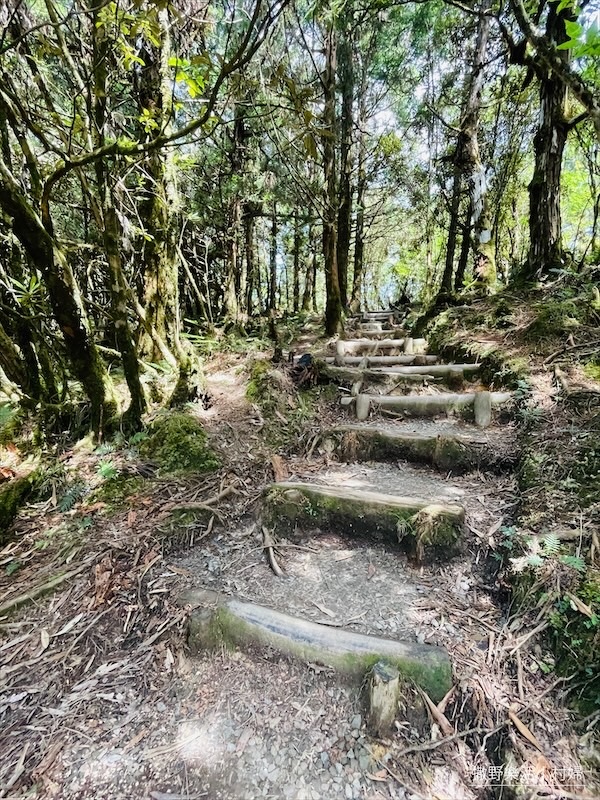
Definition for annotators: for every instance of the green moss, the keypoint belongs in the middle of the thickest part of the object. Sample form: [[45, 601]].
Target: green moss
[[592, 370], [115, 491], [554, 318], [177, 442], [11, 423], [576, 642], [13, 494]]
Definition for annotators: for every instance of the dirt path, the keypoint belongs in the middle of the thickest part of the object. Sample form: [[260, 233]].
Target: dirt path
[[98, 682]]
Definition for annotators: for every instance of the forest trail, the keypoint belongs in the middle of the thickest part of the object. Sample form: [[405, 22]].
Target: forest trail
[[382, 527], [334, 521]]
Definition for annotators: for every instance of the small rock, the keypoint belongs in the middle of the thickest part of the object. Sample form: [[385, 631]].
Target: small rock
[[333, 771], [355, 734], [350, 755], [356, 722], [363, 762], [324, 759], [348, 791]]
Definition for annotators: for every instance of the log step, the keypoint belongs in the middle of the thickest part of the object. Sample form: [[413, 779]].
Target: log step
[[354, 347], [219, 620], [468, 404], [449, 450], [381, 361], [418, 523], [366, 333]]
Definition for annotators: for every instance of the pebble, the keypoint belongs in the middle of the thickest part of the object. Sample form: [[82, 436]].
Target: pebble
[[324, 758], [356, 722], [363, 762], [348, 791]]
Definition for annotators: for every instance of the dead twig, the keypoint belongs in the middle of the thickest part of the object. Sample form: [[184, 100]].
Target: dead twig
[[268, 546]]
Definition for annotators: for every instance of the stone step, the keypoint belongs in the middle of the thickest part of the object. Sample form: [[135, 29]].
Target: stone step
[[380, 361], [218, 620], [468, 404], [354, 347], [451, 447], [418, 523]]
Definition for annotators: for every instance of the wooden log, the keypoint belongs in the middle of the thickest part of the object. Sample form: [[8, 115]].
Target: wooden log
[[389, 333], [354, 347], [482, 409], [384, 691], [378, 376], [431, 405], [218, 620], [439, 370], [458, 452], [363, 406], [289, 505], [380, 361]]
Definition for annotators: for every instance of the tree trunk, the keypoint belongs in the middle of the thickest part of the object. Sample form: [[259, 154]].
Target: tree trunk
[[65, 299], [465, 248], [115, 283], [307, 295], [346, 79], [273, 261], [454, 224], [361, 187], [485, 266], [251, 277], [333, 306], [160, 208], [296, 249]]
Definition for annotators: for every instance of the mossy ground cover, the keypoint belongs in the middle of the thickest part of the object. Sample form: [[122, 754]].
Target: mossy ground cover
[[177, 442]]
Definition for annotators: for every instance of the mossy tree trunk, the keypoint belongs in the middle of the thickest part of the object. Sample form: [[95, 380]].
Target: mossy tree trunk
[[160, 209], [63, 292], [116, 286]]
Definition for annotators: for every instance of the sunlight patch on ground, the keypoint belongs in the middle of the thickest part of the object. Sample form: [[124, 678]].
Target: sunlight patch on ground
[[202, 741]]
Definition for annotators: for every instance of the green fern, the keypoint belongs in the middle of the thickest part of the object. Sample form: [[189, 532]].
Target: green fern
[[72, 496], [106, 469], [576, 562], [550, 544]]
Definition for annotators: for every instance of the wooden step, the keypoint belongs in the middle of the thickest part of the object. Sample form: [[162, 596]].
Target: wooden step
[[418, 523], [354, 347], [217, 620], [380, 361], [448, 450], [389, 333], [469, 404]]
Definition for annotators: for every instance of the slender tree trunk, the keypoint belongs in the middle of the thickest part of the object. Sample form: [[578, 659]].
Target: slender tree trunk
[[273, 261], [465, 247], [346, 79], [230, 300], [454, 224], [361, 186], [296, 256], [250, 260], [307, 295], [333, 306], [485, 265]]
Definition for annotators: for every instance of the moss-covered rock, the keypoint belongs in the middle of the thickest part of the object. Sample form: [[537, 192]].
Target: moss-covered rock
[[177, 443]]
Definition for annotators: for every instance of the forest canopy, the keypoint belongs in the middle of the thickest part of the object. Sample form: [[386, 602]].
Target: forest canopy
[[166, 167]]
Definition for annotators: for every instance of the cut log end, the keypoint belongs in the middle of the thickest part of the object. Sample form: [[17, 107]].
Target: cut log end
[[382, 701]]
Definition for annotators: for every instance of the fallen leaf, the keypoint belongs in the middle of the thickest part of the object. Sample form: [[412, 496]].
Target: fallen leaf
[[381, 775], [524, 730], [44, 639], [70, 625]]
